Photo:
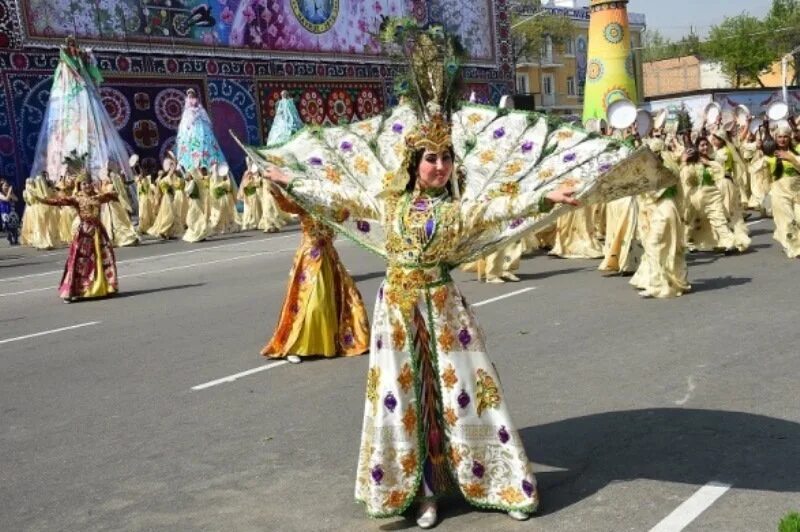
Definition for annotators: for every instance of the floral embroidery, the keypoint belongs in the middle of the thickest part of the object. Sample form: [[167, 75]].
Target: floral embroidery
[[508, 188], [363, 226], [499, 133], [513, 167], [315, 161], [373, 380], [487, 157], [277, 161], [395, 499], [406, 378], [446, 339], [409, 463], [511, 495], [366, 127], [474, 119], [346, 146], [450, 416], [477, 469], [397, 127], [475, 490], [455, 456], [449, 377], [440, 299], [568, 158], [546, 174], [398, 335], [527, 146], [410, 420], [564, 135], [487, 394], [333, 175], [361, 165]]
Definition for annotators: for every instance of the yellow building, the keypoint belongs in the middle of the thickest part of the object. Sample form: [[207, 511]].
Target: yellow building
[[556, 79]]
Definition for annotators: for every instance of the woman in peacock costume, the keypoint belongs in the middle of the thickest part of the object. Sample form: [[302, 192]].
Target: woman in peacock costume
[[427, 189], [196, 145]]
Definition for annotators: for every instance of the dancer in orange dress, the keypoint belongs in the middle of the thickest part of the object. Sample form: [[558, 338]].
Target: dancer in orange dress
[[323, 313]]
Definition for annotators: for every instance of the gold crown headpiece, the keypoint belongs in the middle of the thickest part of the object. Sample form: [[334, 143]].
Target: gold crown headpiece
[[434, 135]]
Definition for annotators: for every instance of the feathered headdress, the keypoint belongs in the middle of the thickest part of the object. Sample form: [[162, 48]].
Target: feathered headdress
[[431, 83], [76, 165]]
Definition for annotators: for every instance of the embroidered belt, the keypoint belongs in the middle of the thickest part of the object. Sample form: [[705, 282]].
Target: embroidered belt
[[404, 281]]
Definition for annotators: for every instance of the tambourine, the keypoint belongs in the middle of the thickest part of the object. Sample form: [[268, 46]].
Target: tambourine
[[621, 113]]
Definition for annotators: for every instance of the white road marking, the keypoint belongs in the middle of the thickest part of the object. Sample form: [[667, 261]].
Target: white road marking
[[153, 257], [754, 222], [692, 507], [43, 333], [691, 387], [163, 270], [259, 369], [237, 376], [498, 298]]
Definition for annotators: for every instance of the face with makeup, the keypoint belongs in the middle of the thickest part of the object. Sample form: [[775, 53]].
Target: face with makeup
[[434, 169]]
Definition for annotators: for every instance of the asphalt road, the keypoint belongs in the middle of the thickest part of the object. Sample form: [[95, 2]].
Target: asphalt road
[[628, 407]]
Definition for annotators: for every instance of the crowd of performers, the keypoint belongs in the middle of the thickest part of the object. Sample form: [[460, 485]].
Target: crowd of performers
[[435, 419]]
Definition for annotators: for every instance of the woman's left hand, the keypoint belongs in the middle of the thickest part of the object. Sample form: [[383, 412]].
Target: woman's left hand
[[563, 194]]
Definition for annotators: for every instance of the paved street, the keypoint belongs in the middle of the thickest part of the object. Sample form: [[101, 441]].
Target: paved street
[[628, 407]]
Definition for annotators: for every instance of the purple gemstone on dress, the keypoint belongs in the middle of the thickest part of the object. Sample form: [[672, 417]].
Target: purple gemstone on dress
[[380, 293], [464, 337], [499, 133], [346, 145], [516, 223], [503, 435], [363, 226], [315, 252], [477, 469], [397, 127], [568, 158], [604, 168], [463, 399], [527, 487], [420, 205], [390, 402], [348, 338], [315, 161], [527, 146], [430, 226], [302, 277], [377, 474], [295, 308], [379, 343]]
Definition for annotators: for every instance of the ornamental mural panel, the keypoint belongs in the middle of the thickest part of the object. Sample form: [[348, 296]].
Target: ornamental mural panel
[[318, 27], [322, 102]]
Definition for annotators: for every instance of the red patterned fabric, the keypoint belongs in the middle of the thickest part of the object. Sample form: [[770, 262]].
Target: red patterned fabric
[[80, 270]]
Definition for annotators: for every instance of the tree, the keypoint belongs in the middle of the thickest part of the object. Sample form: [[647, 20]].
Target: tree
[[532, 28], [783, 20], [657, 47], [742, 45]]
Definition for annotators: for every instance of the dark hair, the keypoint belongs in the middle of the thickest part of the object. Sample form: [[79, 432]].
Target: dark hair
[[413, 169]]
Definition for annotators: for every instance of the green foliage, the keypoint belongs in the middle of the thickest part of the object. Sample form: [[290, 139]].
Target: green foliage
[[743, 45], [531, 27], [784, 16], [790, 523], [657, 47]]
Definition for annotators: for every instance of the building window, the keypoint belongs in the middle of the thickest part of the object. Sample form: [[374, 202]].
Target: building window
[[548, 84], [569, 47], [571, 86], [522, 83]]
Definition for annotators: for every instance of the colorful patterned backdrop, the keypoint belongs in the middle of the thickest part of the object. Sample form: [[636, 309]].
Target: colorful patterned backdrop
[[145, 84], [289, 26]]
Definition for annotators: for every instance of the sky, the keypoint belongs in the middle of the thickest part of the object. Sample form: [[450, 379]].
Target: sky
[[674, 18]]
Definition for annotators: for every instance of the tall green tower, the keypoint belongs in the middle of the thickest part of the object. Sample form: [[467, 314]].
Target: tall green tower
[[610, 71]]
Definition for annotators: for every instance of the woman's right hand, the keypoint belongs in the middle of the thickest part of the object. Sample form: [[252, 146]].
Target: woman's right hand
[[275, 175]]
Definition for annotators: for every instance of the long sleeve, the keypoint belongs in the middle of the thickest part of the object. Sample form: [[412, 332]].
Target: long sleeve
[[328, 199], [63, 201]]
